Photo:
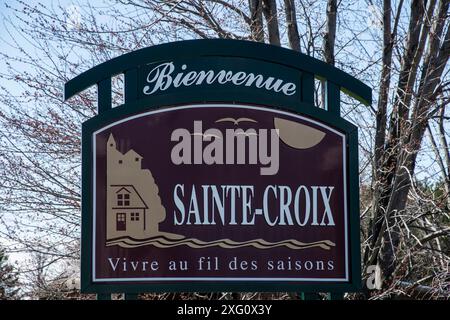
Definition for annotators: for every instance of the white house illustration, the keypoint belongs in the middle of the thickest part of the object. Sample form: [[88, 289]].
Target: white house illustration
[[133, 205]]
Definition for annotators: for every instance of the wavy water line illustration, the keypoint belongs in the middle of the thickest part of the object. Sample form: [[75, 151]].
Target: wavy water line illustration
[[163, 242]]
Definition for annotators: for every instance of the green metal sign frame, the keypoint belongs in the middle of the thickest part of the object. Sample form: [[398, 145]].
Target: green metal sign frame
[[267, 57]]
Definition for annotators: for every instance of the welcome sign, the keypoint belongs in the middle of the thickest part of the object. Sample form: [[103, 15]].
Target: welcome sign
[[206, 179]]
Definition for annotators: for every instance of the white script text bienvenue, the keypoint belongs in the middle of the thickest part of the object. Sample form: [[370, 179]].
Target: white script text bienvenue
[[162, 77]]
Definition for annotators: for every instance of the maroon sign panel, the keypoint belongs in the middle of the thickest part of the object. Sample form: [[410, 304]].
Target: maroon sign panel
[[219, 193]]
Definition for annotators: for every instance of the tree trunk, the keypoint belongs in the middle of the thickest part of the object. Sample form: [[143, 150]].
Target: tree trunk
[[270, 13], [328, 43], [381, 119], [400, 110], [291, 20], [256, 27], [330, 33]]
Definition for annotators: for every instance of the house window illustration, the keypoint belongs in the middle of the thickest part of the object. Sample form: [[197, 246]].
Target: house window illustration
[[134, 216], [123, 198], [121, 221]]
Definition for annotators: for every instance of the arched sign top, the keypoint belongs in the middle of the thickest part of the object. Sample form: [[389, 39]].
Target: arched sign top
[[309, 67]]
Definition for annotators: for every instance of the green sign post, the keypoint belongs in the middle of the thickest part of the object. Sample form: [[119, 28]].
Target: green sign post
[[218, 173]]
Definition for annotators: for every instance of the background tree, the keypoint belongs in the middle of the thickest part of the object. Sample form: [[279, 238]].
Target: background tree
[[415, 101], [9, 281], [400, 48]]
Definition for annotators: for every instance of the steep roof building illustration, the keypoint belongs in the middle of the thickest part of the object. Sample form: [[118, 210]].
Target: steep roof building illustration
[[134, 207]]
